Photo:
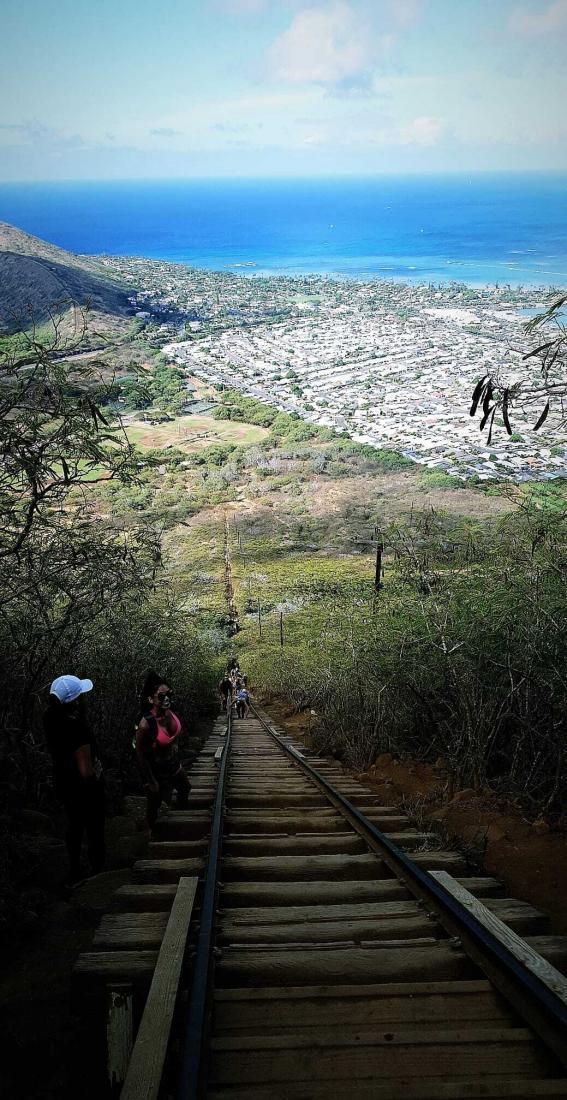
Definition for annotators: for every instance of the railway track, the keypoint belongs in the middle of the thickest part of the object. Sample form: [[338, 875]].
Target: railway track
[[335, 952]]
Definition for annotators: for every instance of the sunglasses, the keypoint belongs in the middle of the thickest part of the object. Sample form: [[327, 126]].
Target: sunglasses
[[164, 695]]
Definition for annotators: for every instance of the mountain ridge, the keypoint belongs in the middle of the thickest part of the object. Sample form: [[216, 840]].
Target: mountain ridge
[[39, 279]]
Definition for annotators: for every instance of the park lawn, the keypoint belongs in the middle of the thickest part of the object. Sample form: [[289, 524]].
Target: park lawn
[[192, 433]]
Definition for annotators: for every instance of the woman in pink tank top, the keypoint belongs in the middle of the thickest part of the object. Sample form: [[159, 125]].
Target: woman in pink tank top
[[157, 747]]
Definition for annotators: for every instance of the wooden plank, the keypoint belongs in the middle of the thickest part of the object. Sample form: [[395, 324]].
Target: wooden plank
[[218, 754], [133, 930], [325, 891], [525, 954], [325, 964], [355, 931], [294, 868], [101, 967], [411, 1004], [312, 844], [146, 1064], [118, 1032], [381, 1056], [165, 870], [148, 898], [487, 1088]]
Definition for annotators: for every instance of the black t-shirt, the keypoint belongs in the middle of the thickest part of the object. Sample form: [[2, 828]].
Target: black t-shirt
[[65, 733], [225, 685]]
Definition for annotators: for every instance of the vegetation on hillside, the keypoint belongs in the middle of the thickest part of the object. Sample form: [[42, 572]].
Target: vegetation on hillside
[[460, 656]]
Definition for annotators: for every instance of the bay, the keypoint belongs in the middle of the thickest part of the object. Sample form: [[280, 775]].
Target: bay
[[477, 229]]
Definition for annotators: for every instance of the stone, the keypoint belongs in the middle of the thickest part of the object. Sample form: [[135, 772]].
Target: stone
[[540, 827], [464, 796], [383, 760]]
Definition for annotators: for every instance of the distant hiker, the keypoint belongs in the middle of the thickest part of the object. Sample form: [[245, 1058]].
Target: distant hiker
[[242, 703], [157, 747], [77, 772], [232, 664], [225, 691]]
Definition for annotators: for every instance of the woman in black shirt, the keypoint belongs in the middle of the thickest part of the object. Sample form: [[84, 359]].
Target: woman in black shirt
[[77, 771]]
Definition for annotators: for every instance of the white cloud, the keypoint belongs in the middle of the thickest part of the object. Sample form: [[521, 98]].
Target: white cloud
[[424, 130], [322, 46], [537, 24]]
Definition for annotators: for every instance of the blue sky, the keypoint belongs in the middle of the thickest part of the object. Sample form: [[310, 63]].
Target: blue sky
[[133, 89]]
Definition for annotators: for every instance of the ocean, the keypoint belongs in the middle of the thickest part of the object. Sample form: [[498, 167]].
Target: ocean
[[478, 229]]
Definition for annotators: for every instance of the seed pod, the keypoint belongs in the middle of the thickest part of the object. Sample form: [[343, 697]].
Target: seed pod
[[487, 399], [477, 393], [485, 417], [505, 412], [542, 418], [489, 440]]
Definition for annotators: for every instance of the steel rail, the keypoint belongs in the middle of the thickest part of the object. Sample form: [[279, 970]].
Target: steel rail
[[193, 1060], [529, 995]]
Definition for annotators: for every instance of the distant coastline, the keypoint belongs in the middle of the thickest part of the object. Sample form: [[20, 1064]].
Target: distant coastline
[[478, 230]]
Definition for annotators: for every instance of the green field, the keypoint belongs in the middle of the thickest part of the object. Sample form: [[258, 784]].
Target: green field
[[192, 433]]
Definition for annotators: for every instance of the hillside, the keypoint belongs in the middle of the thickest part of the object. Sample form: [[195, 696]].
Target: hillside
[[38, 278]]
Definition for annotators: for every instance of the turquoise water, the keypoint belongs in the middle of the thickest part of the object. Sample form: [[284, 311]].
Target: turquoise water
[[506, 228]]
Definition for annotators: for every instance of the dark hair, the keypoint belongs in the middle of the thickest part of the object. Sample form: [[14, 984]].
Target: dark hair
[[151, 684]]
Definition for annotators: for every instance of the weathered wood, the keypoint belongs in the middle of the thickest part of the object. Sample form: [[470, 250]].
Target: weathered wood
[[296, 893], [289, 914], [441, 861], [352, 931], [177, 849], [145, 898], [313, 843], [148, 1056], [525, 952], [254, 821], [166, 870], [426, 1004], [133, 930], [479, 1088], [118, 1032], [327, 965], [218, 754], [439, 1054], [309, 800], [185, 825], [100, 967], [294, 868]]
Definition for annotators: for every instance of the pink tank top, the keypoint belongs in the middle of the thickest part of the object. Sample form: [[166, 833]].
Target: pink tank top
[[163, 738]]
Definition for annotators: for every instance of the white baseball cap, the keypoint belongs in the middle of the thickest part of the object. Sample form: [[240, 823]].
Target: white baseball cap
[[68, 688]]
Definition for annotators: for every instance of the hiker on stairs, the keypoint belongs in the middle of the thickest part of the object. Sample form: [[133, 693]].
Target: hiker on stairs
[[157, 748]]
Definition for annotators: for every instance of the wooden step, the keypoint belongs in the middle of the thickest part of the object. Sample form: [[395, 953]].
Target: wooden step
[[439, 1053], [148, 897], [131, 930], [384, 1005], [327, 931], [327, 965], [96, 968], [313, 843], [494, 1087], [333, 892], [166, 870], [296, 868]]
